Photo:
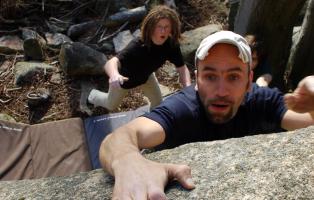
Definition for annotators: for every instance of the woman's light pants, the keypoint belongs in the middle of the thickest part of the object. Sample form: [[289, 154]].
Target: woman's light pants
[[114, 97]]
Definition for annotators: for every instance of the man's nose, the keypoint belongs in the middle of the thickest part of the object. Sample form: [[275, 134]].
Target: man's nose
[[222, 88]]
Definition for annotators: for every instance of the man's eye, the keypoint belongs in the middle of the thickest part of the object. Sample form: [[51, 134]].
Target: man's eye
[[234, 77], [211, 77]]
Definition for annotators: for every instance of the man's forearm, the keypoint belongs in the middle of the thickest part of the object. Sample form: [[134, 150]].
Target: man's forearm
[[124, 144], [115, 146]]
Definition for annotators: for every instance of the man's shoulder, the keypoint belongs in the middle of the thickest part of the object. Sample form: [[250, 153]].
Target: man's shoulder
[[183, 102], [264, 100], [261, 93], [187, 95]]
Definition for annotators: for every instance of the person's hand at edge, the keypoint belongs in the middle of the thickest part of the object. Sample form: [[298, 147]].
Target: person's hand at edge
[[302, 99], [143, 179]]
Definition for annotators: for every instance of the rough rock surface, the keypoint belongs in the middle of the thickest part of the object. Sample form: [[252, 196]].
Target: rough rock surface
[[192, 39], [10, 44], [274, 166], [24, 72], [79, 59]]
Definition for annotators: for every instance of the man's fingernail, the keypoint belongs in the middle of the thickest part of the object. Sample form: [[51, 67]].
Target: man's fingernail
[[190, 181]]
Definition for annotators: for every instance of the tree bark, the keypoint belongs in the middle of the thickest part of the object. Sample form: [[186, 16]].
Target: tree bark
[[273, 21], [302, 54]]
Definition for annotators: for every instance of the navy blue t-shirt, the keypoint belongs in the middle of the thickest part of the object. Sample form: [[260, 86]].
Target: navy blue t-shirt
[[138, 61], [184, 119]]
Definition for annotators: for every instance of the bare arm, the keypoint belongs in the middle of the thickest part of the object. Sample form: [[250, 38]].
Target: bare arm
[[264, 80], [293, 120], [136, 176], [184, 75], [129, 139], [301, 106], [111, 68]]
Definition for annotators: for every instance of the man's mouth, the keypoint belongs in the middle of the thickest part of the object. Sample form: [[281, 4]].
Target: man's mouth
[[218, 107]]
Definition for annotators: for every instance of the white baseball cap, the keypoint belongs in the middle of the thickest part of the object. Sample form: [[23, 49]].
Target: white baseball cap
[[226, 37]]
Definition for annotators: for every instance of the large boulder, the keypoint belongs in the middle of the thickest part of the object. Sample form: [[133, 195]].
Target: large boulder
[[77, 59], [33, 45], [25, 72], [122, 40], [11, 44], [55, 40], [192, 39], [273, 166]]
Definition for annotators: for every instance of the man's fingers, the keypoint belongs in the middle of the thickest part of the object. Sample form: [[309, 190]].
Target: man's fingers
[[131, 194], [307, 84], [181, 173], [290, 100], [141, 194], [156, 194]]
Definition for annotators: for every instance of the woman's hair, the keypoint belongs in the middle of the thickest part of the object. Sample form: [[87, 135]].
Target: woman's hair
[[153, 17]]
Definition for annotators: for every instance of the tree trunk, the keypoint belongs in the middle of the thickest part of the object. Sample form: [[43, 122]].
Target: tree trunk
[[302, 55], [273, 21], [244, 14]]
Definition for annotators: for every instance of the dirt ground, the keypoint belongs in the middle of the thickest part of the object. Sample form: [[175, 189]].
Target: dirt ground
[[65, 95]]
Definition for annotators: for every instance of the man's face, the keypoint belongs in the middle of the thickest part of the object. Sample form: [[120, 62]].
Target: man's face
[[161, 31], [222, 82]]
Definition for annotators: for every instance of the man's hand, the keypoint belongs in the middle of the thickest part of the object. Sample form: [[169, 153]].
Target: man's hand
[[302, 99], [117, 80], [141, 179]]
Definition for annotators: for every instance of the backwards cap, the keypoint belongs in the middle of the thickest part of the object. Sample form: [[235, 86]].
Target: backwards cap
[[226, 37]]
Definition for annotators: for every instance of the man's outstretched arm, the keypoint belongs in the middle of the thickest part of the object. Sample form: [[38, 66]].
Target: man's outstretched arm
[[135, 176], [300, 105]]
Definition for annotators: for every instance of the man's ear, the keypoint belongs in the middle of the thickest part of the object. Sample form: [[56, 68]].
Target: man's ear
[[195, 72]]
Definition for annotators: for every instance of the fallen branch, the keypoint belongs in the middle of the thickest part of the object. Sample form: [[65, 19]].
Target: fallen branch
[[12, 111], [187, 23], [74, 89], [12, 89], [76, 9], [13, 63], [5, 101], [101, 26], [10, 21], [113, 34], [10, 55], [49, 116], [103, 33], [15, 31], [59, 21]]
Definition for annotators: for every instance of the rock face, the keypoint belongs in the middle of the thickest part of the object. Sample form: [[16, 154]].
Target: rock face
[[77, 59], [192, 39], [10, 44], [25, 71], [274, 166]]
